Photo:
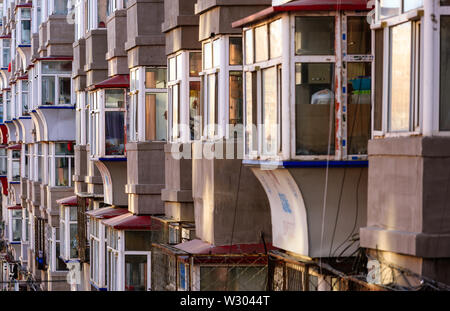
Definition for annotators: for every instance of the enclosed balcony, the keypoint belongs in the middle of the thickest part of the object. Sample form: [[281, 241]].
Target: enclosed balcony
[[307, 98]]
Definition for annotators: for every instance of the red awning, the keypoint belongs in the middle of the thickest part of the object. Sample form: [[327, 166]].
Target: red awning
[[24, 77], [17, 206], [106, 212], [15, 147], [118, 81], [305, 5], [70, 201], [132, 222], [199, 247], [5, 37], [24, 5], [4, 134]]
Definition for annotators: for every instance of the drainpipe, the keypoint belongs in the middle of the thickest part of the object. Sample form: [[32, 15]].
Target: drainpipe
[[428, 68]]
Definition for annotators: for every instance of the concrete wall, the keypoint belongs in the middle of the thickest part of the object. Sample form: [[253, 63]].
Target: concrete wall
[[79, 60], [80, 169], [96, 67], [180, 26], [145, 42], [59, 37], [145, 177], [116, 25], [224, 210], [216, 16]]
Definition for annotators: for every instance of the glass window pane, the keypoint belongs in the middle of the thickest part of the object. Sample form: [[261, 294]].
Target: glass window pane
[[156, 116], [236, 91], [194, 109], [444, 106], [64, 148], [175, 110], [73, 240], [379, 59], [155, 78], [314, 108], [358, 107], [389, 8], [17, 228], [216, 53], [195, 63], [445, 2], [207, 55], [136, 272], [249, 46], [400, 78], [26, 31], [314, 35], [73, 213], [48, 90], [61, 171], [251, 116], [114, 133], [275, 38], [172, 69], [261, 44], [56, 67], [114, 98], [270, 110], [138, 240], [359, 35], [179, 66], [212, 103], [60, 7], [411, 4], [64, 91], [235, 51]]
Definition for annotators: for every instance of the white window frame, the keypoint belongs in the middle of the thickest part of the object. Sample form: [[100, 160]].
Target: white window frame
[[99, 238], [137, 94], [19, 33], [57, 77], [52, 162], [65, 224]]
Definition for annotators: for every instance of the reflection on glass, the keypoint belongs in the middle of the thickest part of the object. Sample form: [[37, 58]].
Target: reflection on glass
[[359, 35], [73, 241], [155, 78], [207, 55], [251, 117], [135, 272], [57, 67], [249, 46], [194, 109], [358, 107], [172, 69], [235, 51], [236, 91], [179, 66], [48, 90], [26, 31], [388, 8], [216, 53], [314, 35], [270, 113], [64, 91], [444, 105], [261, 44], [314, 108], [17, 228], [411, 4], [15, 170], [400, 78], [155, 116], [195, 63], [275, 38], [212, 102], [61, 171], [114, 133], [175, 111], [114, 98]]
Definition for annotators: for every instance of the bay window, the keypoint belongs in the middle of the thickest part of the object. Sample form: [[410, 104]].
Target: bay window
[[62, 164], [56, 262], [41, 162], [24, 33], [107, 122], [69, 231], [82, 118], [96, 14], [56, 83], [184, 95], [6, 52], [148, 91], [3, 162], [14, 169], [222, 87], [97, 249], [16, 223], [57, 7], [113, 5]]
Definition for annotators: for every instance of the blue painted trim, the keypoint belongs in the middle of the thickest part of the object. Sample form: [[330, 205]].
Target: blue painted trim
[[34, 110], [14, 182], [24, 45], [103, 289], [15, 243], [360, 163], [4, 68], [122, 159], [24, 118], [309, 164], [8, 121], [14, 119], [57, 107]]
